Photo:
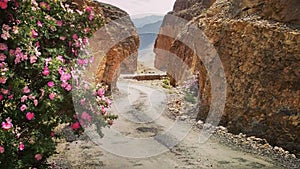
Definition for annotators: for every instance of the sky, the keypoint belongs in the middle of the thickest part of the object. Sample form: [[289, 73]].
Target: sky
[[142, 7]]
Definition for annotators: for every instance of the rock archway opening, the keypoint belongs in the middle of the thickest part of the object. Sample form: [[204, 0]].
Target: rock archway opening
[[148, 28]]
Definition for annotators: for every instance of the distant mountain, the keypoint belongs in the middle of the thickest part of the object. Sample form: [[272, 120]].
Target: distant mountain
[[140, 22], [150, 28], [148, 34]]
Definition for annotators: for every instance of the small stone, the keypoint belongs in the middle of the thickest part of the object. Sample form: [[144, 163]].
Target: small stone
[[183, 118], [292, 155], [171, 108], [267, 146], [207, 125], [240, 135], [279, 149], [200, 124], [181, 113], [222, 128]]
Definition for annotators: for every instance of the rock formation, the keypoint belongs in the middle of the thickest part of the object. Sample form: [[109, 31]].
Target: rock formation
[[115, 45], [258, 42]]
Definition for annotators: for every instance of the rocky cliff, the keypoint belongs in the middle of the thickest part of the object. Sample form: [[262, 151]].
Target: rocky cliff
[[258, 42], [115, 45]]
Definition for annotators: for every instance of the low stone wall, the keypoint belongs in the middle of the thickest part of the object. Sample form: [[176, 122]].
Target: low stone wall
[[144, 77]]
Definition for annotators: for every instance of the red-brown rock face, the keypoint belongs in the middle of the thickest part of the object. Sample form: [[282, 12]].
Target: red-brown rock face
[[115, 45], [280, 10], [258, 43]]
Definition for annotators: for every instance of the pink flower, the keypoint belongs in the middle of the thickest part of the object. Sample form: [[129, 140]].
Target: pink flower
[[34, 33], [1, 97], [5, 91], [35, 102], [39, 23], [64, 84], [46, 71], [91, 17], [42, 93], [3, 46], [5, 35], [59, 23], [47, 60], [45, 5], [53, 164], [60, 58], [75, 52], [60, 71], [50, 84], [68, 87], [11, 96], [77, 44], [29, 115], [2, 57], [37, 44], [65, 77], [62, 38], [86, 86], [33, 59], [87, 30], [15, 30], [26, 90], [3, 4], [52, 134], [17, 4], [52, 96], [2, 149], [38, 157], [103, 109], [82, 61], [2, 80], [6, 27], [3, 64], [23, 107], [7, 125], [100, 92], [21, 146], [108, 101], [31, 97], [79, 12], [24, 98], [75, 37], [88, 9], [75, 125]]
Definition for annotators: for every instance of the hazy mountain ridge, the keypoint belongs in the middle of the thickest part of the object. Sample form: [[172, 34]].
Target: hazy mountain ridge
[[140, 22], [150, 28]]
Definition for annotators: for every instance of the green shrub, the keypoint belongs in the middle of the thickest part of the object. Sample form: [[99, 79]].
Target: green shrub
[[39, 46], [166, 83]]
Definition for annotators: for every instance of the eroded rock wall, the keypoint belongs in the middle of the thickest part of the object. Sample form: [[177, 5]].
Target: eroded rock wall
[[258, 43], [176, 61], [115, 45]]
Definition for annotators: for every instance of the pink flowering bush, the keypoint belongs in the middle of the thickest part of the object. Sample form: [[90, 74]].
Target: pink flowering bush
[[40, 45]]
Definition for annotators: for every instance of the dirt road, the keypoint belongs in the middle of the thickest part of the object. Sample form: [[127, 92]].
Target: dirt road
[[145, 137]]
